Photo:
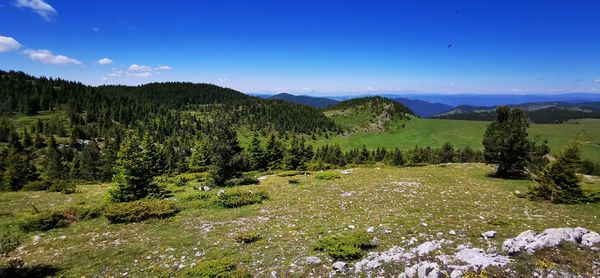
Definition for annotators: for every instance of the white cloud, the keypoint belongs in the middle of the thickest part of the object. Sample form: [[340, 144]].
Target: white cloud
[[47, 57], [105, 61], [164, 67], [597, 80], [140, 74], [142, 68], [8, 44], [39, 6]]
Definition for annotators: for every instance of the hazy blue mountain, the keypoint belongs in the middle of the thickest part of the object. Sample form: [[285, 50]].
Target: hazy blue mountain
[[422, 108], [483, 99], [318, 102], [538, 112]]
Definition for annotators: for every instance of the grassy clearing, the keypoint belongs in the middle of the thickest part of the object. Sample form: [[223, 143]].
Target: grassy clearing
[[435, 132], [407, 202]]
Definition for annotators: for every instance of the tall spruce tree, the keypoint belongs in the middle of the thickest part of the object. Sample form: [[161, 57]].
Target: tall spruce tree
[[256, 155], [136, 167], [53, 164], [506, 144]]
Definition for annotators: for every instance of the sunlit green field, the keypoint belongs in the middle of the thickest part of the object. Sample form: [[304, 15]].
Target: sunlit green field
[[456, 197], [434, 132]]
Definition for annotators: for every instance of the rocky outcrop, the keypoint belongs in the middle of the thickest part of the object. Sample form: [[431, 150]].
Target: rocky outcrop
[[529, 241]]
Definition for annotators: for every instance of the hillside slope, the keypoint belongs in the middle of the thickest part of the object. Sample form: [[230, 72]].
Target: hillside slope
[[367, 113], [317, 102]]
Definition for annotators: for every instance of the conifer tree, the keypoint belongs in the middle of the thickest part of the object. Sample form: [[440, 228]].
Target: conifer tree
[[273, 153], [53, 166], [256, 155], [18, 172]]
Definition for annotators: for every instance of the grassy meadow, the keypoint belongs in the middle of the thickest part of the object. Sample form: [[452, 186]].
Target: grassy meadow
[[434, 132], [401, 203]]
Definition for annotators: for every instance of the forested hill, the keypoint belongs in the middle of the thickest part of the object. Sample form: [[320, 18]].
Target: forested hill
[[367, 113], [106, 105]]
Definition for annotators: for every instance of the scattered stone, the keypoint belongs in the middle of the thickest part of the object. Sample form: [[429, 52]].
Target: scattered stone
[[340, 266], [274, 274], [313, 260], [221, 192], [477, 258], [427, 247], [262, 178], [351, 227], [452, 232], [530, 242], [371, 229], [374, 241], [590, 239], [489, 234], [347, 194], [347, 172], [422, 270], [206, 188]]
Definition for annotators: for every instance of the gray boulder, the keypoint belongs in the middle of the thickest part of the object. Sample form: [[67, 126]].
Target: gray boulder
[[313, 260], [530, 242], [340, 266]]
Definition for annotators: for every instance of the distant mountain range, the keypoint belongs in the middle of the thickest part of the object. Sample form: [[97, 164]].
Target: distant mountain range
[[540, 108], [317, 102], [538, 112], [422, 108]]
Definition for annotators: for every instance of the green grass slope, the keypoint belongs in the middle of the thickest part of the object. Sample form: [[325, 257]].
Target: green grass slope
[[367, 114], [292, 221]]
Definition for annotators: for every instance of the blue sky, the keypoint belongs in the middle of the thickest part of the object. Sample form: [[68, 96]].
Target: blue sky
[[311, 47]]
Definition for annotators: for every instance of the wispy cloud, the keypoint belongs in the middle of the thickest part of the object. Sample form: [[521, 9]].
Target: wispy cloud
[[8, 44], [105, 61], [597, 80], [47, 57], [38, 6], [164, 68]]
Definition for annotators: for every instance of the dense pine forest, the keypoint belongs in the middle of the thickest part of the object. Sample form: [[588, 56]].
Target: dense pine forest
[[190, 127]]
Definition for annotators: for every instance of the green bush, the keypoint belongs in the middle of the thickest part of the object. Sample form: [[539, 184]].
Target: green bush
[[16, 268], [327, 175], [181, 181], [62, 186], [345, 247], [139, 210], [290, 173], [196, 196], [319, 165], [238, 198], [247, 237], [293, 181], [221, 268], [37, 186], [9, 241], [241, 181], [44, 221], [81, 212]]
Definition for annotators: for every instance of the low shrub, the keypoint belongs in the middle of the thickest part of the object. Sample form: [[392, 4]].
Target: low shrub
[[247, 237], [238, 198], [290, 173], [345, 247], [9, 241], [16, 268], [44, 221], [293, 181], [241, 181], [81, 212], [140, 210], [196, 196], [327, 175], [62, 186], [37, 186], [181, 181], [221, 268], [319, 165]]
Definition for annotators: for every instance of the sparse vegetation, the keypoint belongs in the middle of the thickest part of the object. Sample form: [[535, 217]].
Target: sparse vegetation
[[345, 247], [239, 198], [327, 175], [221, 268]]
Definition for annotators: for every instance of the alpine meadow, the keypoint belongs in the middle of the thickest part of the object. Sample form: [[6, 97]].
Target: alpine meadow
[[306, 139]]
